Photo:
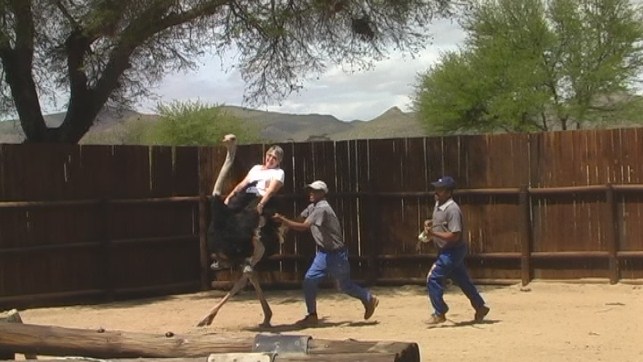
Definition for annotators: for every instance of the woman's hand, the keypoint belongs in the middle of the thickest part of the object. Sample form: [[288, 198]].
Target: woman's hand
[[260, 208], [227, 199]]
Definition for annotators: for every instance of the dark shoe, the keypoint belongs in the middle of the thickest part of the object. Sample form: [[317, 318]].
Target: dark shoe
[[481, 312], [309, 320], [369, 307], [436, 319]]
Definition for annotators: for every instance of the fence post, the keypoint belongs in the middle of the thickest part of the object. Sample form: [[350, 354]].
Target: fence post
[[612, 235], [526, 244]]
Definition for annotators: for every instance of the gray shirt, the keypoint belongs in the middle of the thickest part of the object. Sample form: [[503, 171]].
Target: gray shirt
[[324, 225], [448, 217]]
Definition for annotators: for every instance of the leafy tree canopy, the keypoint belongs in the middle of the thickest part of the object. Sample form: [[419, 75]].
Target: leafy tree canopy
[[100, 52], [535, 65]]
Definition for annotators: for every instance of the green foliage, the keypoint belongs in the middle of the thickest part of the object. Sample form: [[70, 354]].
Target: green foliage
[[197, 124], [533, 65]]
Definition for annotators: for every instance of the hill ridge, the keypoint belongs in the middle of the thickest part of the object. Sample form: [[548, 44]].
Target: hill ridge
[[274, 126]]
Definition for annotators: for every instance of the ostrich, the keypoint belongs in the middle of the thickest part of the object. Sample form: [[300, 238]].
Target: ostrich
[[239, 235]]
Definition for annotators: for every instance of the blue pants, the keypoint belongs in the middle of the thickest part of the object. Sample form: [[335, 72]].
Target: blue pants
[[450, 264], [336, 264]]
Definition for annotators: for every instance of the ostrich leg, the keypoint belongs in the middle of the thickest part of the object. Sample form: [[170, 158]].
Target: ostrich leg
[[207, 320], [258, 250], [267, 312]]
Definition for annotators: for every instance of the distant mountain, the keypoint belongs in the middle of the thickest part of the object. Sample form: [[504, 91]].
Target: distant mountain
[[391, 124], [281, 127], [274, 126]]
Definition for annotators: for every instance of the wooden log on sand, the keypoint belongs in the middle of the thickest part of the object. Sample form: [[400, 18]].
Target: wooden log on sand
[[11, 316], [237, 357], [60, 341]]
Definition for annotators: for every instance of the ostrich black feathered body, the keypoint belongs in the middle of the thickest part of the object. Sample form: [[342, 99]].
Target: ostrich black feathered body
[[232, 227]]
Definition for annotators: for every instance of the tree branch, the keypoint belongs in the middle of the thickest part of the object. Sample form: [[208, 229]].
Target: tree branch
[[149, 23], [67, 15]]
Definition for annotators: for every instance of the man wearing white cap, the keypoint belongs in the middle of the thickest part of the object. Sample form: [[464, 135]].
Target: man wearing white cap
[[331, 256]]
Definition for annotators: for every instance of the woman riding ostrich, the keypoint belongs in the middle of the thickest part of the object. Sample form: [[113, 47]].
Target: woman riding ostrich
[[241, 229]]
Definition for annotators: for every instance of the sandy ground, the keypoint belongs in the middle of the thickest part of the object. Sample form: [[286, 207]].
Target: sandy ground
[[541, 322]]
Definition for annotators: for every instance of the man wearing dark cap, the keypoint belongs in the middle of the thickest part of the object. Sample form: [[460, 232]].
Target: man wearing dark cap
[[331, 256], [446, 230]]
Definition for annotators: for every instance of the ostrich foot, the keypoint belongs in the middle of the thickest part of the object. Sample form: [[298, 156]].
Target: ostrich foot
[[265, 324], [266, 320], [206, 321]]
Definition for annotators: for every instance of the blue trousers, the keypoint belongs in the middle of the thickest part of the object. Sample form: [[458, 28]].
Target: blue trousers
[[450, 264], [336, 264]]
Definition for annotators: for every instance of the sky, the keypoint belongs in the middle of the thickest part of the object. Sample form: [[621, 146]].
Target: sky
[[347, 96]]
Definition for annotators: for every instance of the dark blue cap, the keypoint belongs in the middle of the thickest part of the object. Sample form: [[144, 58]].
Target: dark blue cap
[[444, 181]]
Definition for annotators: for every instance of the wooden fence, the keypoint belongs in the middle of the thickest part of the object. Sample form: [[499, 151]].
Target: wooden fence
[[103, 222]]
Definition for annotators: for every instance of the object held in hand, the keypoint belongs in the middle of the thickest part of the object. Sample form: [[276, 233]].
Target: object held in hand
[[423, 237]]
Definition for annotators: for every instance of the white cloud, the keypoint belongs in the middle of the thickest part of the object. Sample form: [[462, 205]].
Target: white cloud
[[347, 96]]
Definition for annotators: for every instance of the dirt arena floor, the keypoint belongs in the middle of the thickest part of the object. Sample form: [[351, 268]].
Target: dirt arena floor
[[544, 321]]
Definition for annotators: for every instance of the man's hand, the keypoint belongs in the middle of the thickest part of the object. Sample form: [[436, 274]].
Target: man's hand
[[428, 224], [278, 217]]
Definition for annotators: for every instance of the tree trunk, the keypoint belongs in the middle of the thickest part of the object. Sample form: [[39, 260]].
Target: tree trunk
[[48, 340]]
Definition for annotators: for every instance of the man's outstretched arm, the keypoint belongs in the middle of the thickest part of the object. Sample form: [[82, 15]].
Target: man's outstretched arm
[[292, 224]]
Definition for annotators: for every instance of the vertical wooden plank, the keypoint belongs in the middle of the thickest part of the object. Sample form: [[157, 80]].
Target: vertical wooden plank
[[132, 184], [526, 244], [611, 224], [104, 251], [204, 191], [185, 171], [476, 163], [344, 201], [298, 243], [369, 227], [433, 159], [386, 163], [452, 157], [4, 170], [161, 178]]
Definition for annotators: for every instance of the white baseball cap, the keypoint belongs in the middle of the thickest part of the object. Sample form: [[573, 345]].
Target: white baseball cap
[[318, 185]]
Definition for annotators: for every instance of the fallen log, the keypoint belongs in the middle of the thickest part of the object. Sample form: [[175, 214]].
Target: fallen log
[[60, 341], [350, 357], [11, 316]]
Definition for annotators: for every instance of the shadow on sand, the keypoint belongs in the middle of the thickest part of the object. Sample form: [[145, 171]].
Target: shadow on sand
[[323, 323], [470, 323]]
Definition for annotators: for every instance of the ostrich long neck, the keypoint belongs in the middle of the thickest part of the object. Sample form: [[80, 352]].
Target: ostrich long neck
[[225, 169]]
